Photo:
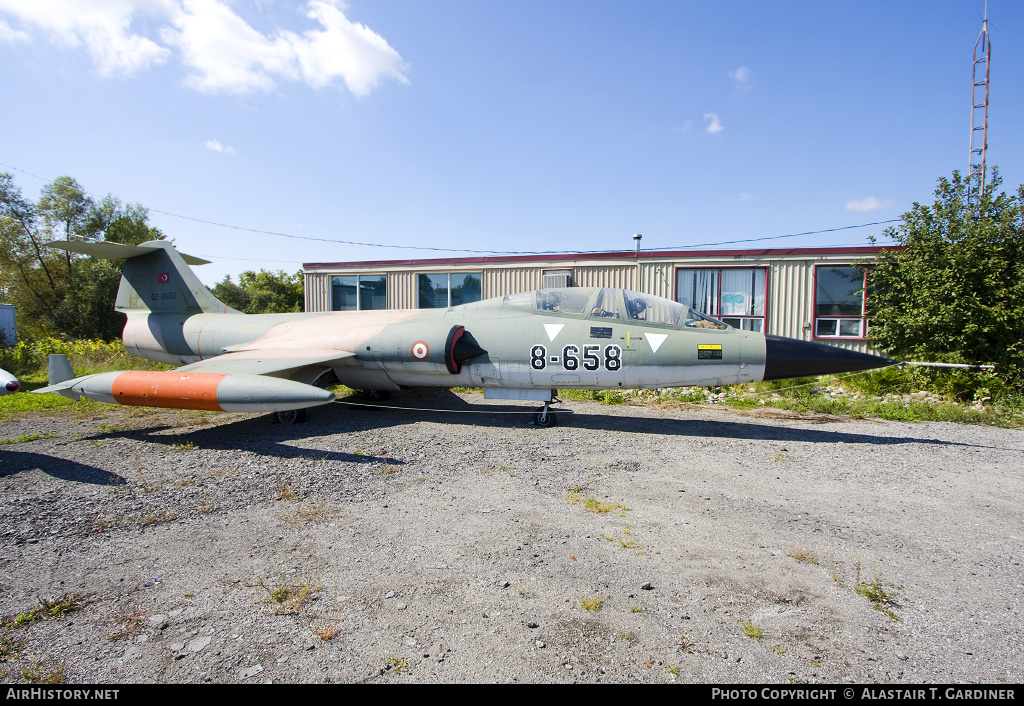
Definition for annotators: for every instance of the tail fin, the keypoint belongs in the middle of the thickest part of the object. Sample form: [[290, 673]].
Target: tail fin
[[60, 369], [156, 278]]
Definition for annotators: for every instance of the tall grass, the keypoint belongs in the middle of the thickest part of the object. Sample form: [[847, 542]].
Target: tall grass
[[29, 359]]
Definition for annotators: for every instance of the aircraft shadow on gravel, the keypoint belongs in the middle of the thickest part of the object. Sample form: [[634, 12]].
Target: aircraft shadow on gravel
[[13, 462], [445, 407], [257, 435], [449, 408]]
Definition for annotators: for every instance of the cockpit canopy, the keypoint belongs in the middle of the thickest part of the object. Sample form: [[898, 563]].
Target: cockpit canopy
[[610, 304]]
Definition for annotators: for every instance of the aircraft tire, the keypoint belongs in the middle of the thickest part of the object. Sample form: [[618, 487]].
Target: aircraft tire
[[291, 416], [545, 419]]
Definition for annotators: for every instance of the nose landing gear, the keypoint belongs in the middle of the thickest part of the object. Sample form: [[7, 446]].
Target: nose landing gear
[[545, 417]]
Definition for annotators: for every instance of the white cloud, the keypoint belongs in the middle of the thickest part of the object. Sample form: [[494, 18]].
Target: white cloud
[[224, 53], [868, 204], [714, 126], [102, 26], [745, 197], [216, 146], [743, 78], [221, 51], [11, 35]]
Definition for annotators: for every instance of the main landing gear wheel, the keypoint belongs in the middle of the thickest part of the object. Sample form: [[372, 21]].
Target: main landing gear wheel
[[545, 417], [290, 416]]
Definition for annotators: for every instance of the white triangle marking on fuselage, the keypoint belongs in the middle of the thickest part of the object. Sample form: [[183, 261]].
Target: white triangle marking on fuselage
[[656, 339], [553, 330]]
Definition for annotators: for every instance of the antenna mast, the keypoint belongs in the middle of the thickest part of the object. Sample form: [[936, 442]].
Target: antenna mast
[[979, 110]]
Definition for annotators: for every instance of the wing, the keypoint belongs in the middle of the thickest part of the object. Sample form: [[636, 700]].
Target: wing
[[268, 361]]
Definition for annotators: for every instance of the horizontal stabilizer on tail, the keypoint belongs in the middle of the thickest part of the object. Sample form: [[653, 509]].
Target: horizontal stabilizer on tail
[[155, 278], [116, 251]]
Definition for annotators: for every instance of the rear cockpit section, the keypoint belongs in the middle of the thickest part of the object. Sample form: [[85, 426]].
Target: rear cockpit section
[[607, 304]]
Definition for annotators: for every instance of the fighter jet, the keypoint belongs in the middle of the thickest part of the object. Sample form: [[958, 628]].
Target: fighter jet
[[8, 383], [519, 347]]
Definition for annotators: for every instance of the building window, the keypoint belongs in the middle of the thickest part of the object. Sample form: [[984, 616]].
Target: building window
[[440, 291], [839, 302], [359, 292], [735, 295]]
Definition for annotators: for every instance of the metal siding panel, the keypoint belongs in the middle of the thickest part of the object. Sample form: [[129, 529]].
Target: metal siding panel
[[623, 276], [401, 290], [657, 278], [498, 282], [317, 291]]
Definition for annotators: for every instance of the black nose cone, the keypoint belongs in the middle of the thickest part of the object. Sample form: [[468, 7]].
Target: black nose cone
[[792, 358]]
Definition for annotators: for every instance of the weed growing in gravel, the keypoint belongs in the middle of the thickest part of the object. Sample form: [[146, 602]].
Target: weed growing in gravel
[[26, 437], [396, 664], [685, 644], [593, 504], [153, 517], [289, 597], [326, 627], [286, 490], [803, 555], [591, 604], [881, 600], [9, 649], [307, 512], [184, 446], [625, 542], [39, 673], [636, 608], [67, 603], [146, 486], [131, 623], [752, 631]]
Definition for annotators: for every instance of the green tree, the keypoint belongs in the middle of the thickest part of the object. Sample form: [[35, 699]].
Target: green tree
[[263, 292], [954, 289], [56, 291]]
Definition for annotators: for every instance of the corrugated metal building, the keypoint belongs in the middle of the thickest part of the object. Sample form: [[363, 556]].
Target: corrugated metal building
[[808, 293]]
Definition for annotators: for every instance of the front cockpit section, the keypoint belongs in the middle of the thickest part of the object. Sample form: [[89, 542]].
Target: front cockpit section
[[611, 305]]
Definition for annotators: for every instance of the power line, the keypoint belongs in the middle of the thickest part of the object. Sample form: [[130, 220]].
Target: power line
[[335, 241]]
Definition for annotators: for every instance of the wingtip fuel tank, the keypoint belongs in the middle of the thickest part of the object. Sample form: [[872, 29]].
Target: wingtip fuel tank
[[8, 383], [203, 391]]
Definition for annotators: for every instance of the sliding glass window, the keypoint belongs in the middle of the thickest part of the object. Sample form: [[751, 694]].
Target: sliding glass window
[[359, 292], [440, 291]]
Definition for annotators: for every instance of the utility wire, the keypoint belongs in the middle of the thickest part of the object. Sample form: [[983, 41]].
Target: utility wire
[[483, 252]]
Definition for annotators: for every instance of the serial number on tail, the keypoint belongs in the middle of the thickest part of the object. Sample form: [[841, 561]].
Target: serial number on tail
[[573, 357]]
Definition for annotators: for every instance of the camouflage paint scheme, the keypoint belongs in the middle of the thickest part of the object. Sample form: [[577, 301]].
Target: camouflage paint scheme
[[522, 346]]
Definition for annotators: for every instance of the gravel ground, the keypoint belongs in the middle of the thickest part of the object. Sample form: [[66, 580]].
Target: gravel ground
[[628, 544]]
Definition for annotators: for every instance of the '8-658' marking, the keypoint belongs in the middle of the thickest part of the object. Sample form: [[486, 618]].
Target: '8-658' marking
[[573, 357]]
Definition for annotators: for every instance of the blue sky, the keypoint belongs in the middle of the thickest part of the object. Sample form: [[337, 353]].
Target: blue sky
[[489, 125]]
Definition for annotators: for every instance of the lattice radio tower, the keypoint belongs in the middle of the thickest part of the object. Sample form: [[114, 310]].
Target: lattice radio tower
[[979, 110]]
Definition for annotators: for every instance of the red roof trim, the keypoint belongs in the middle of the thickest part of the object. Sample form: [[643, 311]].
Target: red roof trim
[[624, 255]]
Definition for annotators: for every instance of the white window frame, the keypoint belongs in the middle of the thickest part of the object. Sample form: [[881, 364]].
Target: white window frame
[[846, 327]]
